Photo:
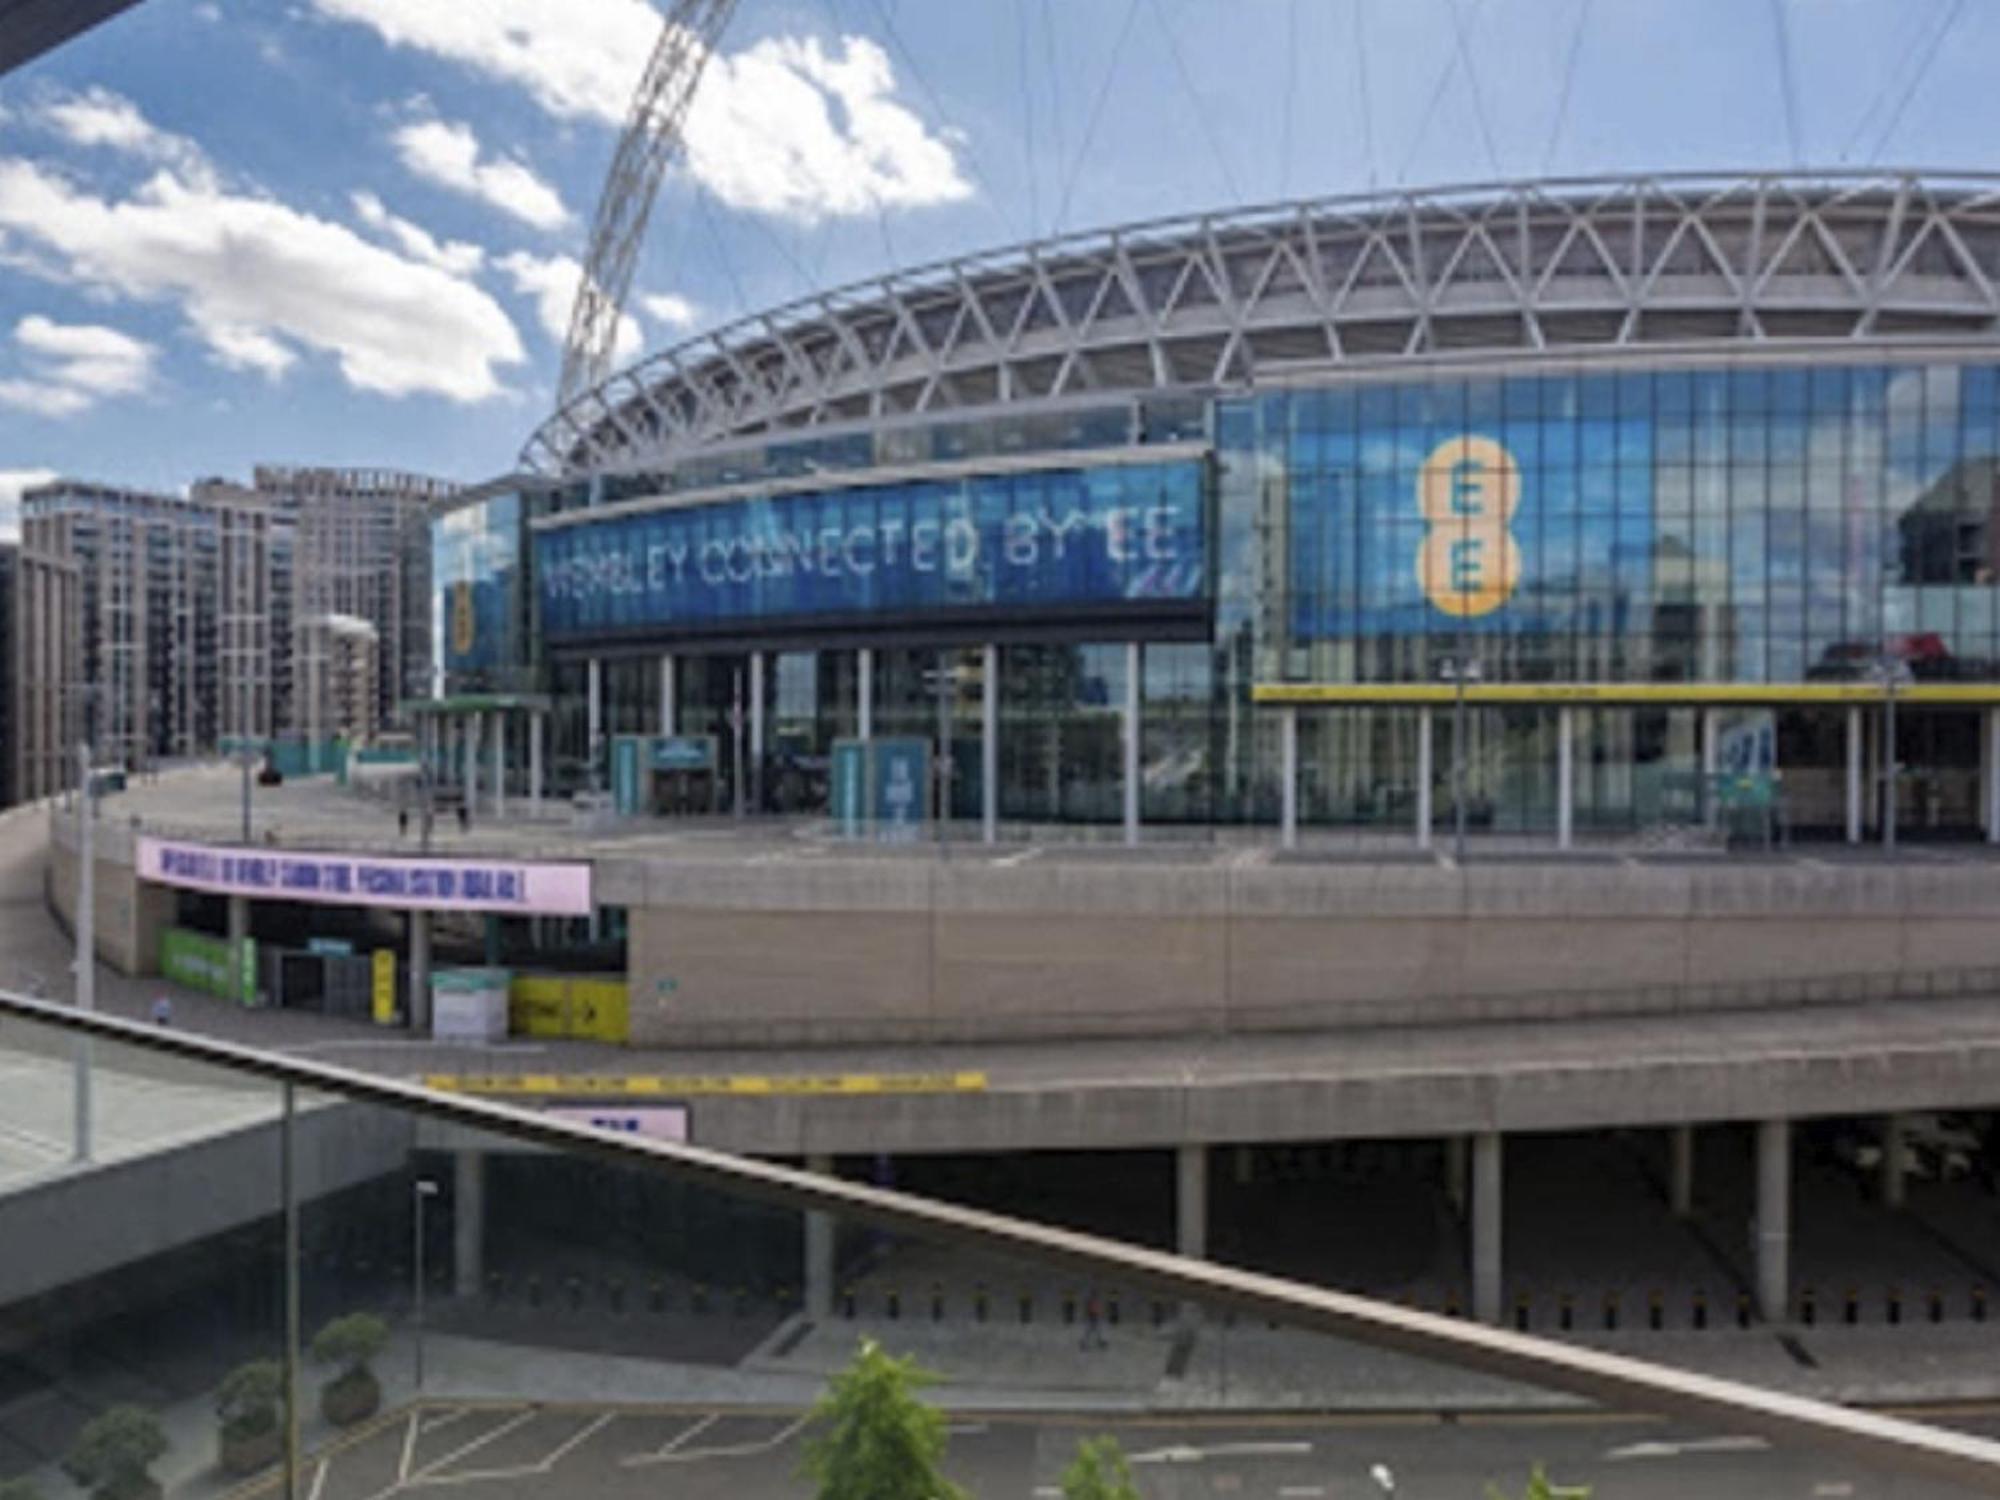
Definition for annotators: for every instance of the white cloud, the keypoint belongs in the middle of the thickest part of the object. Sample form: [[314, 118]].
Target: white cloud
[[12, 483], [454, 256], [450, 155], [98, 117], [784, 127], [258, 279], [73, 366], [670, 309], [552, 281]]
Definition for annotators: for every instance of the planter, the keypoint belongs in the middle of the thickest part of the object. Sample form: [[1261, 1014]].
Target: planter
[[244, 1453], [354, 1397], [148, 1488]]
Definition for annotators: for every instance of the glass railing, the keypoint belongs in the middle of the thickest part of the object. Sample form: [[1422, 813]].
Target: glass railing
[[569, 1303]]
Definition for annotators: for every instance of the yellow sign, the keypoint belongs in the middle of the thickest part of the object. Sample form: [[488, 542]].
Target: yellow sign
[[703, 1085], [1467, 491], [384, 996], [552, 1005]]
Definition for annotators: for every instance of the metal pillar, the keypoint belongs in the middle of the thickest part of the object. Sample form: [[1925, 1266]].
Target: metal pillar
[[1854, 755], [468, 1222], [989, 745], [1889, 768], [86, 946], [1680, 1171], [1132, 665], [1893, 1152], [1774, 1219], [669, 708], [1288, 759], [819, 1268], [1191, 1201], [1486, 1222], [1424, 778], [1565, 777], [756, 731], [288, 1193], [864, 677], [473, 724], [499, 763], [239, 934], [594, 709], [420, 972], [1993, 775], [1711, 762], [536, 721]]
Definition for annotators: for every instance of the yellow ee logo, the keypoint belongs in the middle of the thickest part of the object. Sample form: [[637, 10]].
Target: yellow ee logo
[[1469, 564]]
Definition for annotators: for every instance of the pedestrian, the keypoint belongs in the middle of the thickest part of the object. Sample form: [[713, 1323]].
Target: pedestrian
[[1093, 1324], [163, 1010], [464, 817], [402, 822]]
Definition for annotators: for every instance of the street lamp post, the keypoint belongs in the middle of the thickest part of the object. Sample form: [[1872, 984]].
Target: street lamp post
[[86, 935], [1458, 671], [424, 1188], [243, 753]]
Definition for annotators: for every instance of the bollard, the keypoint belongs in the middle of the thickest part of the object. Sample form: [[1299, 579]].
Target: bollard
[[1451, 1307], [1892, 1303], [1698, 1313], [1069, 1307], [1742, 1309], [979, 1302], [847, 1303], [1027, 1303], [937, 1303], [496, 1287], [574, 1287], [739, 1302], [1808, 1306], [1565, 1313], [535, 1291], [656, 1297], [1521, 1313], [1850, 1310], [1936, 1305], [1159, 1313], [1979, 1304], [1610, 1310], [615, 1292], [698, 1302], [1111, 1309], [895, 1304], [1656, 1310]]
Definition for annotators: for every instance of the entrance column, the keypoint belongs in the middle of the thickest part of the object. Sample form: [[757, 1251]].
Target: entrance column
[[1854, 774], [1774, 1218], [499, 763], [420, 972], [468, 1222], [1680, 1171], [1893, 1152], [864, 670], [1423, 778], [1132, 665], [819, 1268], [669, 709], [239, 934], [1288, 743], [1711, 752], [1486, 1222], [594, 729], [756, 731], [1993, 776], [989, 745], [536, 719], [1191, 1202], [1565, 776], [473, 724]]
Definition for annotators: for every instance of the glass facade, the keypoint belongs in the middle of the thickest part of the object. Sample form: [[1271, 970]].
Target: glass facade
[[1742, 523]]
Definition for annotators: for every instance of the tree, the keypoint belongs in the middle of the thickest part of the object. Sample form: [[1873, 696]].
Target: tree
[[874, 1440], [248, 1399], [1539, 1488], [349, 1343], [114, 1452], [1099, 1472], [19, 1489]]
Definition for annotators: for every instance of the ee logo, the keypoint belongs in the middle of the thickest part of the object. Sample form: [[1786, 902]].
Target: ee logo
[[1467, 491]]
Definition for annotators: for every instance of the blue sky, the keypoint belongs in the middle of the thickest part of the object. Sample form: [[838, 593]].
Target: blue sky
[[345, 231]]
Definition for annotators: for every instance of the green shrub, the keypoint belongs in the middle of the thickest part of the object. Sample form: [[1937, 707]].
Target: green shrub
[[114, 1453], [350, 1342]]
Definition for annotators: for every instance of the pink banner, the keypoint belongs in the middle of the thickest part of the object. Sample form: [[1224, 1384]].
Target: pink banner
[[469, 883]]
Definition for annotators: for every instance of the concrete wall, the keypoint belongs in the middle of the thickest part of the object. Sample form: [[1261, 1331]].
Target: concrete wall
[[80, 1223], [900, 950], [130, 914]]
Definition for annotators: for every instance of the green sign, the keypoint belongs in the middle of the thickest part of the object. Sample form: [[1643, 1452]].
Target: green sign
[[1752, 789], [684, 752], [625, 773], [849, 786], [204, 963]]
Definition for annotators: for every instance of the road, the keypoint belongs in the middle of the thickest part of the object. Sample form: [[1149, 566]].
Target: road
[[516, 1452]]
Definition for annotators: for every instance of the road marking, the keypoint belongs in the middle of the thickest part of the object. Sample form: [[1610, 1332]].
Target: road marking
[[1693, 1445], [319, 1480], [673, 1444], [1301, 1491], [1833, 1489], [1010, 860], [423, 1475], [409, 1444], [1187, 1453], [543, 1465], [728, 1450], [711, 1085]]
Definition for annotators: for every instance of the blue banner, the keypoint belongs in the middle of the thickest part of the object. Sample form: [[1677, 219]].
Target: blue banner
[[475, 552], [1111, 535]]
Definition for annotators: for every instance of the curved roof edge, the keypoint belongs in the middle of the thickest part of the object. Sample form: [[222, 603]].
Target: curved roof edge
[[1536, 266]]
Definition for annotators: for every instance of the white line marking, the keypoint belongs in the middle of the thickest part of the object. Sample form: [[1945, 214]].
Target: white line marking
[[424, 1475], [541, 1466], [319, 1481], [1694, 1445], [673, 1444], [1022, 858], [451, 1415], [730, 1450], [1186, 1453], [410, 1441], [1301, 1491], [1833, 1489]]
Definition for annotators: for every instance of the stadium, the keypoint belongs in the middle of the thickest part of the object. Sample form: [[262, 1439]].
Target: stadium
[[1653, 503]]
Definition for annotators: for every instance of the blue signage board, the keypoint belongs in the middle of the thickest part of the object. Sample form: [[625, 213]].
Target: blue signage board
[[848, 785], [684, 752], [1133, 533], [475, 558], [901, 778], [1409, 531]]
